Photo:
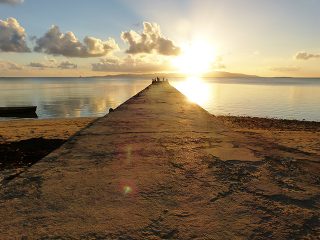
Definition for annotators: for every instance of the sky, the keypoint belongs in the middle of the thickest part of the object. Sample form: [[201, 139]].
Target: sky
[[97, 37]]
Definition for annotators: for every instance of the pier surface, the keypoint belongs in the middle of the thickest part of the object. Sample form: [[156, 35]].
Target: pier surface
[[161, 167]]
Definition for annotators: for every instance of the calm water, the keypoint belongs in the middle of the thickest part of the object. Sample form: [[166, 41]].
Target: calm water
[[80, 97]]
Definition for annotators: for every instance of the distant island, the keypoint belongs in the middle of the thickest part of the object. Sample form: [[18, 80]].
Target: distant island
[[178, 75]]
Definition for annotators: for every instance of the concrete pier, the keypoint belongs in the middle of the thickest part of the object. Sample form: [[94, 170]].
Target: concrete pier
[[161, 167]]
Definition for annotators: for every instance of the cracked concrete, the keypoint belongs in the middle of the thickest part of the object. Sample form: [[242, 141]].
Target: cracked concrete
[[161, 167]]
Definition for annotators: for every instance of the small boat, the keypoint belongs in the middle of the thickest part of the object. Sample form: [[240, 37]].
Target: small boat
[[22, 112]]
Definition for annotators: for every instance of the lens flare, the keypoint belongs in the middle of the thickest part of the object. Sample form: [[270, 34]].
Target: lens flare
[[127, 189]]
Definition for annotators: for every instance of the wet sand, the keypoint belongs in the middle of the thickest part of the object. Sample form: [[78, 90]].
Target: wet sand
[[160, 167]]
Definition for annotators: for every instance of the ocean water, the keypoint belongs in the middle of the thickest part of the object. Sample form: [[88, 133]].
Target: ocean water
[[288, 98]]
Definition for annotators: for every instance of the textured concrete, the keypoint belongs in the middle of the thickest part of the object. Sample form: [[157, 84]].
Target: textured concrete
[[161, 167]]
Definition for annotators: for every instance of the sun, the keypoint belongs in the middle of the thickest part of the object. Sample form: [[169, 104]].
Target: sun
[[196, 58]]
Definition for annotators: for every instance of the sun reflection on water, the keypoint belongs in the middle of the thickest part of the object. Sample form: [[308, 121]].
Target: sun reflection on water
[[195, 89]]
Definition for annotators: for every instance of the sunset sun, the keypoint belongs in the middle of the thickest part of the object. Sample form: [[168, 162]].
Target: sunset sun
[[196, 58]]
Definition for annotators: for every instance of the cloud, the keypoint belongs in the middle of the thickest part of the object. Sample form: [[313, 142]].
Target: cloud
[[52, 63], [130, 64], [149, 41], [6, 65], [285, 69], [40, 65], [306, 56], [67, 65], [12, 2], [56, 43], [12, 36]]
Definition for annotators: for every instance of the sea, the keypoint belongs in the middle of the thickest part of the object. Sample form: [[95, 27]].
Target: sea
[[285, 98]]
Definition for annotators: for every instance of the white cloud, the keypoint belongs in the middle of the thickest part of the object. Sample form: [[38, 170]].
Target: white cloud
[[306, 56], [12, 2], [56, 43], [131, 64], [149, 41], [12, 36]]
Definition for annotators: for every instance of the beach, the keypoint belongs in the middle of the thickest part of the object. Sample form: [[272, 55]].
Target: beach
[[301, 135], [23, 129], [24, 142]]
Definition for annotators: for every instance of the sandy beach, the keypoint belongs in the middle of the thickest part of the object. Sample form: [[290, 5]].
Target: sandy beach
[[17, 130], [24, 142], [300, 135]]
